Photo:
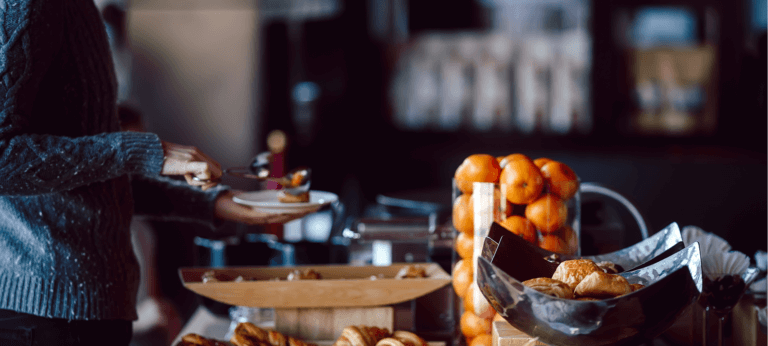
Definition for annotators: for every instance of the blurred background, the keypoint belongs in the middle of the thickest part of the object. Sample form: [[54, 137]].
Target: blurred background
[[663, 101]]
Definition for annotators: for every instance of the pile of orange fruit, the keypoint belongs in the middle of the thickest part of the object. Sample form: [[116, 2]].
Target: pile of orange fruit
[[534, 207]]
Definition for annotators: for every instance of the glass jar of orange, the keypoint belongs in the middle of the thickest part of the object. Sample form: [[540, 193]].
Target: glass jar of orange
[[536, 199]]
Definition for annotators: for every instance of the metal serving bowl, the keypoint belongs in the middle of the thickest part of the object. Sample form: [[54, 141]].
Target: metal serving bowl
[[665, 242], [672, 282]]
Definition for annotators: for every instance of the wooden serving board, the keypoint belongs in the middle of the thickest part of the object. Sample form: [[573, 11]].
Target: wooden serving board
[[504, 334], [340, 286], [328, 323]]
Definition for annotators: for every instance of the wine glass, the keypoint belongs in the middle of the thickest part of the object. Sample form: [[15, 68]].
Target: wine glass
[[720, 293]]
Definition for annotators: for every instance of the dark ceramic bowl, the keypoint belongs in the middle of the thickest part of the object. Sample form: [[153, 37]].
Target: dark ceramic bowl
[[672, 281]]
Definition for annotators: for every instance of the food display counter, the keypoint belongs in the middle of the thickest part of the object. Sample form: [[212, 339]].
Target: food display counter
[[517, 277]]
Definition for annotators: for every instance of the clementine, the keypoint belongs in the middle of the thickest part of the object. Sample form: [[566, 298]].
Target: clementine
[[462, 276], [463, 214], [520, 226], [554, 243], [512, 157], [521, 181], [560, 179], [464, 245], [472, 325], [548, 213], [482, 340], [541, 161], [476, 168]]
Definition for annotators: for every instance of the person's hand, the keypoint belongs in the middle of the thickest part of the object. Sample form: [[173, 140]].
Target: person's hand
[[228, 209], [196, 167]]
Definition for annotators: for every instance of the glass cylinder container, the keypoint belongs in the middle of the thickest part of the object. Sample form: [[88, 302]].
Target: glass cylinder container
[[547, 216]]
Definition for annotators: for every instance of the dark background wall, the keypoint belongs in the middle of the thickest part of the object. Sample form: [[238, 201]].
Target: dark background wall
[[715, 181]]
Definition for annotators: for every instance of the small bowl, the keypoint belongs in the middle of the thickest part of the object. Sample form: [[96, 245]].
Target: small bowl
[[672, 282]]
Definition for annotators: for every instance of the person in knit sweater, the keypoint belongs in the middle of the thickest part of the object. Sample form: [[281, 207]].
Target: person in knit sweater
[[70, 181]]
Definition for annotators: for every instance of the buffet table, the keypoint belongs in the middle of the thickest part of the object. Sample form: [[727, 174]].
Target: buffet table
[[204, 322]]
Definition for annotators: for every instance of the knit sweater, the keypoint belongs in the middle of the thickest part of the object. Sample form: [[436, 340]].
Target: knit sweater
[[68, 178]]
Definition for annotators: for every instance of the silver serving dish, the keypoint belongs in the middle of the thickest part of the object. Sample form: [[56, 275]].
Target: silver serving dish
[[515, 249], [673, 281]]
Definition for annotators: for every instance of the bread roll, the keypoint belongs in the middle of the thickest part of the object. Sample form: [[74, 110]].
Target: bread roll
[[572, 272], [389, 342], [408, 338], [551, 287], [599, 284]]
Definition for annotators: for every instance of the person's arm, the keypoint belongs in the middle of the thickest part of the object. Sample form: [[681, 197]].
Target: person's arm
[[31, 37], [30, 163], [164, 198]]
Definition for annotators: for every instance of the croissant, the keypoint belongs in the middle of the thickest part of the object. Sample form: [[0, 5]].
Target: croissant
[[277, 339], [361, 336], [248, 334], [197, 340], [244, 340], [390, 342], [252, 331], [408, 338]]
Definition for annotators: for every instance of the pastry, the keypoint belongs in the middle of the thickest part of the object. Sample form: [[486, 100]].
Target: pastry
[[410, 272], [551, 287], [390, 342], [599, 284], [572, 272], [306, 274], [209, 276], [285, 197], [408, 338], [636, 287], [248, 334], [297, 342], [610, 267], [252, 331], [197, 340], [244, 340], [361, 336], [277, 339]]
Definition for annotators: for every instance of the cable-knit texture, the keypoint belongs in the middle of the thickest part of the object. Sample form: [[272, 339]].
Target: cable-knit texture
[[65, 192]]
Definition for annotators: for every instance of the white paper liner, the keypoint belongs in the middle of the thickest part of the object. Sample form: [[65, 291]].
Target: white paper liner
[[724, 263], [717, 259], [708, 242]]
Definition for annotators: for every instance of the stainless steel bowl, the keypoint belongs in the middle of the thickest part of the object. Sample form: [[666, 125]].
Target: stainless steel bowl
[[515, 249], [672, 283]]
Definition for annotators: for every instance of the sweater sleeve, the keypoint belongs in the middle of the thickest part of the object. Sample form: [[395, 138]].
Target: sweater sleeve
[[178, 200], [30, 163]]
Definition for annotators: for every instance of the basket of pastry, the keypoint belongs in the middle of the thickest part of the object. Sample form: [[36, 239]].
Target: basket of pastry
[[590, 301], [248, 334], [319, 286]]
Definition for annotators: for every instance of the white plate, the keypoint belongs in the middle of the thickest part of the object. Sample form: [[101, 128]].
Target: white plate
[[266, 201]]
